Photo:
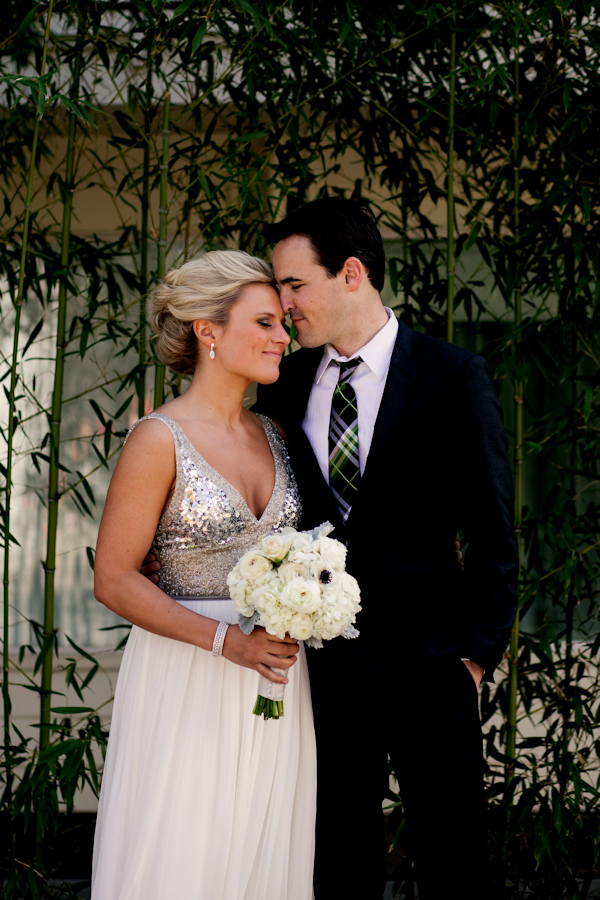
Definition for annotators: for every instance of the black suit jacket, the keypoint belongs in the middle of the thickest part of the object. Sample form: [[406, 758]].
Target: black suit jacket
[[437, 464]]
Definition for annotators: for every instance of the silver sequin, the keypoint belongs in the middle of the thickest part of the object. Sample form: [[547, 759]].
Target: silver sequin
[[207, 525]]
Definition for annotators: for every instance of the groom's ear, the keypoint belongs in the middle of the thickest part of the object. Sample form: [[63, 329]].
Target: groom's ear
[[353, 272]]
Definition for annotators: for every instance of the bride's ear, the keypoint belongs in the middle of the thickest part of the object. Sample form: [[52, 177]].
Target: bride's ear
[[204, 331]]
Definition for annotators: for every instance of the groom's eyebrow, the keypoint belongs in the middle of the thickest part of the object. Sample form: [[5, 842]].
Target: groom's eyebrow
[[288, 280]]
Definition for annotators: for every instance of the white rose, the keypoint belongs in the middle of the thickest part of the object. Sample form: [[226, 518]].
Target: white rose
[[275, 546], [333, 553], [300, 627], [253, 566], [302, 541], [301, 596], [289, 570]]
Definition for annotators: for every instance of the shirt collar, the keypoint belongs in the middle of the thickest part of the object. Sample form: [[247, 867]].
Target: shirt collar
[[376, 354]]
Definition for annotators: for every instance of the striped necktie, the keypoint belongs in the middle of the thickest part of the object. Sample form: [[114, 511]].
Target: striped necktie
[[344, 464]]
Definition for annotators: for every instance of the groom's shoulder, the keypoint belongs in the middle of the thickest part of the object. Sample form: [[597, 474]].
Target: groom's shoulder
[[437, 355], [300, 364], [296, 373]]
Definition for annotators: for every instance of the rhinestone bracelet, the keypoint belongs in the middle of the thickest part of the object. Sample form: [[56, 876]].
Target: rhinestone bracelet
[[217, 647]]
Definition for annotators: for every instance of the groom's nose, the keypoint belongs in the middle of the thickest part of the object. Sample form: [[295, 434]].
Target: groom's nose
[[285, 298]]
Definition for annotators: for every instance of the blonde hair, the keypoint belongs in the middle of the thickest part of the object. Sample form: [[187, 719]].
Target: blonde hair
[[203, 288]]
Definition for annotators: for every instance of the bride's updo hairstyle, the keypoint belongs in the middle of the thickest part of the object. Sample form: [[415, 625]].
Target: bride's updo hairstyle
[[203, 288]]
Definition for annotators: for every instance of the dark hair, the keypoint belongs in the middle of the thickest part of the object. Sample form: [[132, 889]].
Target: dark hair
[[337, 228]]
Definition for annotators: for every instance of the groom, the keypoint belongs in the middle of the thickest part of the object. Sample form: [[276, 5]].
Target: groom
[[396, 438]]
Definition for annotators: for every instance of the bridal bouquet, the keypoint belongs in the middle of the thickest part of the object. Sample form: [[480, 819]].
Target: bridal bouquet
[[294, 582]]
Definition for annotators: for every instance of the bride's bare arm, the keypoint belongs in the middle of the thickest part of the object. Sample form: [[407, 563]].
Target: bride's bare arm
[[138, 491]]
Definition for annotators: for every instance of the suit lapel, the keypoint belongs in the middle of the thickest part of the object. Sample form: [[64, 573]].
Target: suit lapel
[[307, 362], [398, 387], [319, 501]]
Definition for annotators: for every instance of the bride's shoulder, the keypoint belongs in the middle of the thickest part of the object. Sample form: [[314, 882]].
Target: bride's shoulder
[[273, 426], [150, 431]]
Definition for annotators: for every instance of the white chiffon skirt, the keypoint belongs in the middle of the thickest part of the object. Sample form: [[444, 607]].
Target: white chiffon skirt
[[201, 799]]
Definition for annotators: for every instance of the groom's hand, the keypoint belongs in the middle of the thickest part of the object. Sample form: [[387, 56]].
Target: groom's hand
[[150, 567], [457, 550], [475, 670]]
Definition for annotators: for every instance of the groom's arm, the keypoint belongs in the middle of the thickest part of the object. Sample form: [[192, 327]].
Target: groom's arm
[[486, 517]]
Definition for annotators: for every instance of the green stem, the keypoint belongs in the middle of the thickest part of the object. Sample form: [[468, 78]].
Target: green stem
[[570, 589], [511, 729], [159, 378], [56, 414], [10, 435], [55, 423], [145, 209], [450, 264]]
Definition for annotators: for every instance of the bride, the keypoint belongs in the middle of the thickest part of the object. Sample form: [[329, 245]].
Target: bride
[[200, 798]]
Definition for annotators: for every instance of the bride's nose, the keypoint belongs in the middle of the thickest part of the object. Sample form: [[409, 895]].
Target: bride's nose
[[282, 337]]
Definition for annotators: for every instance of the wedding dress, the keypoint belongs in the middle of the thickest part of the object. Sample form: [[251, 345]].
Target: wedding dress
[[201, 799]]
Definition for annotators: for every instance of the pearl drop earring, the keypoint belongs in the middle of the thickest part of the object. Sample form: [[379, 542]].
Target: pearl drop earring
[[212, 351]]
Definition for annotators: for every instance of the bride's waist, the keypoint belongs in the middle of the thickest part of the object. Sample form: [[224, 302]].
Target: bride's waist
[[219, 608]]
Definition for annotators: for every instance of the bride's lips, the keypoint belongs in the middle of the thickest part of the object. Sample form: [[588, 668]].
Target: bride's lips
[[273, 353]]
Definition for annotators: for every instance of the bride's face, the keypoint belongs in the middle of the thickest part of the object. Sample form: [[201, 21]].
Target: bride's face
[[252, 342]]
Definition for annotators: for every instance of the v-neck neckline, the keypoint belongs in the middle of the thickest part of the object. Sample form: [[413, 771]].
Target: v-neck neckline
[[218, 477]]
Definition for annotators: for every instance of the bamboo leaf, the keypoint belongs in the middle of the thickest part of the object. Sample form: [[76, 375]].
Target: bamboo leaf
[[34, 333]]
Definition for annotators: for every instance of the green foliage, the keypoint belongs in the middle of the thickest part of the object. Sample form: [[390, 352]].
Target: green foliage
[[272, 104]]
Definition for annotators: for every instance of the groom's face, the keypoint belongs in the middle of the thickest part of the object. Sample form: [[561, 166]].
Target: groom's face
[[314, 299]]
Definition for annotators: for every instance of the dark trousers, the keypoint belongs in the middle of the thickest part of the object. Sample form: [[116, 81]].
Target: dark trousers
[[426, 717]]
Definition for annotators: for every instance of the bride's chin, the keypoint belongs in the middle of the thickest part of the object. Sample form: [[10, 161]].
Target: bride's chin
[[268, 379]]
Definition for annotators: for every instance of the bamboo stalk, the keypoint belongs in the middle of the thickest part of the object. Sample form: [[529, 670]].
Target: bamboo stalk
[[145, 206], [511, 725], [450, 263], [159, 376], [56, 414], [571, 596], [11, 429]]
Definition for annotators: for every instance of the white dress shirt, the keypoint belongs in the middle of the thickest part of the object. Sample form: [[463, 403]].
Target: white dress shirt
[[368, 381]]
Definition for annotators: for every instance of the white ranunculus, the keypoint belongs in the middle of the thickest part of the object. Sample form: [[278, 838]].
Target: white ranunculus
[[289, 570], [301, 595], [254, 566], [300, 627], [333, 553], [275, 546]]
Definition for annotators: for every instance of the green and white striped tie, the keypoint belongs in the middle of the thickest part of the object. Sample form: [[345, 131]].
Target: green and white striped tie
[[344, 463]]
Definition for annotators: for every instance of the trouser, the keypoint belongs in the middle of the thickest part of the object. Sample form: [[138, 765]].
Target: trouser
[[426, 718]]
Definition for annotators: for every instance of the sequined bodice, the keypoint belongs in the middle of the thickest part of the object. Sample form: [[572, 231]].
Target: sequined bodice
[[207, 525]]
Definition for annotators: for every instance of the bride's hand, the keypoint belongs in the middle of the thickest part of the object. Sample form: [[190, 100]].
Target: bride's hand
[[260, 651]]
